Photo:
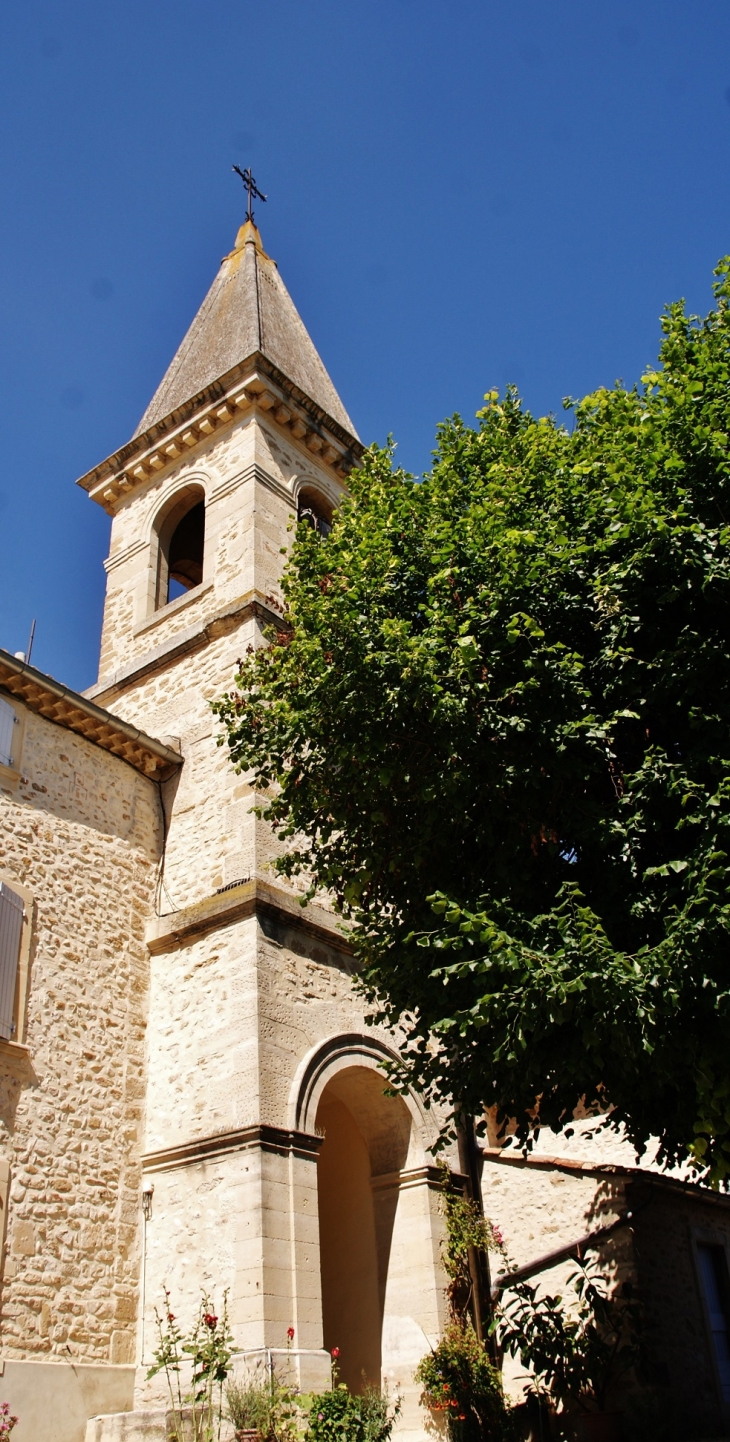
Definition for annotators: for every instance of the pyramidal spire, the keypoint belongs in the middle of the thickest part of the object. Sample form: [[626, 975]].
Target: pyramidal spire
[[248, 310]]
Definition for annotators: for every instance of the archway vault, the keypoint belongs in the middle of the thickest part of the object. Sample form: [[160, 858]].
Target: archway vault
[[339, 1053]]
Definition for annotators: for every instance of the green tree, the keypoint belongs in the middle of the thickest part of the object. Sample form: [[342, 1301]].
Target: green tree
[[495, 727]]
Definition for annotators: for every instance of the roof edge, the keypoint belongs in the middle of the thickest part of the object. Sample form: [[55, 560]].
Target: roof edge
[[64, 707], [216, 392]]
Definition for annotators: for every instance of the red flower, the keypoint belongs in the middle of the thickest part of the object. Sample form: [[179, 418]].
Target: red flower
[[171, 1316], [210, 1320], [335, 1351], [290, 1333]]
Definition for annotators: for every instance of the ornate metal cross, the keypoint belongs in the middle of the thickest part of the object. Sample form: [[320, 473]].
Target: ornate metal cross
[[251, 187]]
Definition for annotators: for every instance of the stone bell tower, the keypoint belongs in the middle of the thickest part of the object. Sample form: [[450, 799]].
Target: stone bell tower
[[274, 1165]]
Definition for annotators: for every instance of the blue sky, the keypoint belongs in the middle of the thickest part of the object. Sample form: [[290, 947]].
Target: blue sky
[[460, 195]]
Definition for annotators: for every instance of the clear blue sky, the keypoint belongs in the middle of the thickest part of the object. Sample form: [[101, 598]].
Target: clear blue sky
[[460, 195]]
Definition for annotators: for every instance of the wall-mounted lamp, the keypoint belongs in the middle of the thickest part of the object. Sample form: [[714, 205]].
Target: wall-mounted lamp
[[147, 1191]]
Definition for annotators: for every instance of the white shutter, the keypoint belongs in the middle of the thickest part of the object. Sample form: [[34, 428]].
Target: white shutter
[[7, 722], [11, 926]]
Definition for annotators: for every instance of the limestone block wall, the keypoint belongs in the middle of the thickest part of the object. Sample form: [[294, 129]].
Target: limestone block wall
[[81, 831], [212, 836], [203, 1043]]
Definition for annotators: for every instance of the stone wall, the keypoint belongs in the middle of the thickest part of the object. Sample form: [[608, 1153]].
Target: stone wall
[[80, 830], [542, 1204]]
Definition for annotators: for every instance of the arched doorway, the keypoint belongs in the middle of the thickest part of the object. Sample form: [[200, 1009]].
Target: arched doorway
[[366, 1140]]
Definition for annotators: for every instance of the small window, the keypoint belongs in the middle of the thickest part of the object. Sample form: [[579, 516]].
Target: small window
[[7, 726], [716, 1288], [12, 912], [181, 546], [315, 511]]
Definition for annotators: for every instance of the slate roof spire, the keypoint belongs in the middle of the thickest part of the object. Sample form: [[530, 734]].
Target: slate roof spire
[[247, 310]]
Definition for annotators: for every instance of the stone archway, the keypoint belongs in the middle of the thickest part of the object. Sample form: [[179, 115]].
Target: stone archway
[[379, 1218], [366, 1138]]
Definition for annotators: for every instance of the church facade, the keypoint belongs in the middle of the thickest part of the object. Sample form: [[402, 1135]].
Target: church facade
[[191, 1095]]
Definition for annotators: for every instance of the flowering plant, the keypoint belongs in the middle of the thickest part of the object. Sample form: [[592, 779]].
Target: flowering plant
[[460, 1382], [458, 1377], [208, 1345], [7, 1421]]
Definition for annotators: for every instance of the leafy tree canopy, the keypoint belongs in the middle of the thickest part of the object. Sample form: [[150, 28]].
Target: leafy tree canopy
[[496, 728]]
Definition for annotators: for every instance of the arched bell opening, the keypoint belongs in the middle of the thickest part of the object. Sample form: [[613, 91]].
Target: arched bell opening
[[314, 510], [180, 532], [366, 1142]]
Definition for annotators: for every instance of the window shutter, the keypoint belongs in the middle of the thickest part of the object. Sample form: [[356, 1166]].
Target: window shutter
[[7, 722], [11, 927]]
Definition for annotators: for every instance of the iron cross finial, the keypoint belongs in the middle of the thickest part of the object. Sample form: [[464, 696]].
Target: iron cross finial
[[251, 187]]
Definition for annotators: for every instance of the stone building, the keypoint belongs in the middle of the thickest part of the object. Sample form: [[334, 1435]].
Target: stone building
[[191, 1095]]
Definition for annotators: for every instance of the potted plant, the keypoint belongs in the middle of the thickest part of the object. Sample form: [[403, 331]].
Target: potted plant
[[461, 1384], [262, 1408]]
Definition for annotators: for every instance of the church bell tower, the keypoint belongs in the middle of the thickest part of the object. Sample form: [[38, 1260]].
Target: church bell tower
[[274, 1164]]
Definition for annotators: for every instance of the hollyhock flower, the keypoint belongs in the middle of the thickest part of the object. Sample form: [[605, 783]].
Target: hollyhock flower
[[210, 1320], [290, 1333], [335, 1351]]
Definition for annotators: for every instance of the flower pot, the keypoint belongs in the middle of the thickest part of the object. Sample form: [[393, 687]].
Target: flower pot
[[599, 1427]]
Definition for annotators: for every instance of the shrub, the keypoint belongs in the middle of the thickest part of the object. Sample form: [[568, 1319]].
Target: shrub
[[578, 1353], [341, 1416]]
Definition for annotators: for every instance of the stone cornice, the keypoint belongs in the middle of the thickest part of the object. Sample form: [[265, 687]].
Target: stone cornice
[[191, 639], [429, 1176], [249, 898], [253, 384], [202, 1149], [76, 713]]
